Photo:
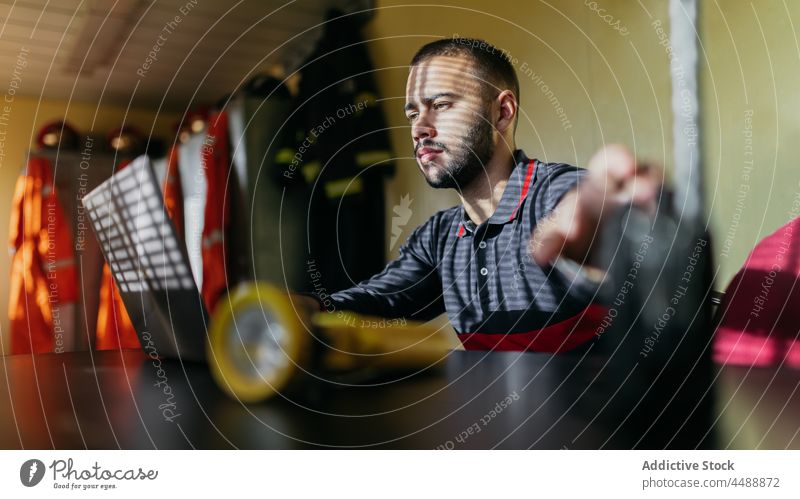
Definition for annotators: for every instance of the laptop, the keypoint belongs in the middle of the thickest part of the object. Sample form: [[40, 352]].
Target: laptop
[[149, 263]]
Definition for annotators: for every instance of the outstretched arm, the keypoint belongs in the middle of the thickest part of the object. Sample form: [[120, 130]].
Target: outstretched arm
[[408, 286], [615, 179]]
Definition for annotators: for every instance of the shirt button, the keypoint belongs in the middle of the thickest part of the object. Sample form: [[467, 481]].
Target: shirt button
[[484, 271], [482, 244]]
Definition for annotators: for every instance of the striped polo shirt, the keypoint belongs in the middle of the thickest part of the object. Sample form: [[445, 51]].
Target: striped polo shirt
[[484, 277]]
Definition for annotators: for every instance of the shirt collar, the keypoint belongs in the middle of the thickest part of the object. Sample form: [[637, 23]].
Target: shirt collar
[[516, 189]]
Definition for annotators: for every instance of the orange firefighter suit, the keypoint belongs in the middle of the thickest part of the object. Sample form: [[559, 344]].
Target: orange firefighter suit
[[43, 274]]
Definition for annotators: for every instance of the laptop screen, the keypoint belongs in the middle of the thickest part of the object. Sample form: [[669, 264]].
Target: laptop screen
[[148, 261]]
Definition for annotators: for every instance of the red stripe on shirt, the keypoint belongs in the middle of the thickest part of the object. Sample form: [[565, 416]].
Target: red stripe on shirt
[[560, 337], [525, 185]]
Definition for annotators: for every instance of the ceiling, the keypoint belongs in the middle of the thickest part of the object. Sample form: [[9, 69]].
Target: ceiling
[[97, 51]]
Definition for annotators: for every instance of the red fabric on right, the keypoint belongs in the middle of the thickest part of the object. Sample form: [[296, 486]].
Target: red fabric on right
[[760, 313]]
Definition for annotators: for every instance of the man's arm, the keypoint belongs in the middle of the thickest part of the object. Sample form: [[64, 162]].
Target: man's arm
[[408, 287], [614, 180]]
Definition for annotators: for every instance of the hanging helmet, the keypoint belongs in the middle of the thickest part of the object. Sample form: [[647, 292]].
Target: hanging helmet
[[126, 140], [57, 135], [197, 119]]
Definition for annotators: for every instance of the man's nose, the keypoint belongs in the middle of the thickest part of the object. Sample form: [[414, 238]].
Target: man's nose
[[423, 128]]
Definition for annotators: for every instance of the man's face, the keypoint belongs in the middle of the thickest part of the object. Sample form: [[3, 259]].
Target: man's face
[[450, 121]]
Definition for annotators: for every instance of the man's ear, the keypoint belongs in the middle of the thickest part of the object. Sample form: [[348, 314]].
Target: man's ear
[[508, 110]]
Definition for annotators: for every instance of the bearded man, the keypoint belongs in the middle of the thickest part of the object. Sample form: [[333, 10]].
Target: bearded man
[[492, 263]]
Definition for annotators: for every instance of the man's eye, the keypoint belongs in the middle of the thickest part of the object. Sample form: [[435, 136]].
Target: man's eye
[[412, 116], [441, 105]]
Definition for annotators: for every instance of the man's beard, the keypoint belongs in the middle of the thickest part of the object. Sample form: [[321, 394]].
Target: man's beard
[[470, 161]]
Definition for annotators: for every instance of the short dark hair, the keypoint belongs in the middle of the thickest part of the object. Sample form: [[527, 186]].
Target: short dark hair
[[493, 63]]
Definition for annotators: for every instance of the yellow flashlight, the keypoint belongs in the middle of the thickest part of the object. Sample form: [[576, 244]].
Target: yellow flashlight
[[261, 343]]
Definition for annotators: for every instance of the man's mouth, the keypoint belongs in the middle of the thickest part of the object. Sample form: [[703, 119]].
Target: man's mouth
[[425, 154]]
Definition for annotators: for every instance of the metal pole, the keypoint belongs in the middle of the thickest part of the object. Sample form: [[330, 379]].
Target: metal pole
[[688, 179]]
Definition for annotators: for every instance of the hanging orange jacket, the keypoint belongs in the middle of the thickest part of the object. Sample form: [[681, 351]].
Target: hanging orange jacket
[[43, 274], [114, 328], [216, 164]]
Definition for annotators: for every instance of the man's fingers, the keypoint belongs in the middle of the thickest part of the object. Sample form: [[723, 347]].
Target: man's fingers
[[613, 169], [305, 303], [643, 190], [614, 164], [614, 180]]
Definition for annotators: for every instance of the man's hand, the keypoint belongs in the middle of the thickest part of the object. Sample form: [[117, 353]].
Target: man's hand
[[614, 180], [305, 303]]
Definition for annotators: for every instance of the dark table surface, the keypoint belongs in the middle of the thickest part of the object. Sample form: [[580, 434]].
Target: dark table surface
[[110, 400]]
